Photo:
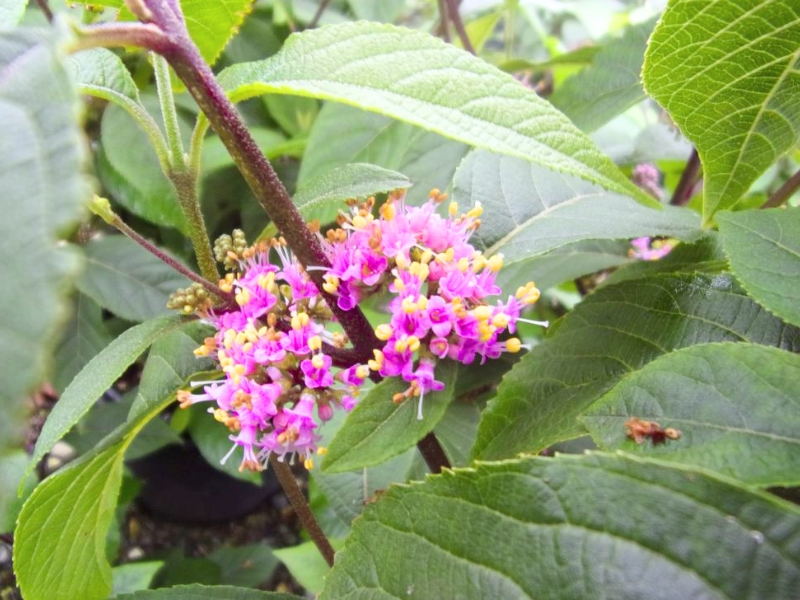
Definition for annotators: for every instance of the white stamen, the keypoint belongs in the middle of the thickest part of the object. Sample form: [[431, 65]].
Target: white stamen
[[228, 455], [419, 406], [542, 323], [195, 384]]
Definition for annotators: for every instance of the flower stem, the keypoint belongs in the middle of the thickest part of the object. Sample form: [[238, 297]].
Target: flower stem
[[783, 193], [301, 508], [683, 191], [113, 219]]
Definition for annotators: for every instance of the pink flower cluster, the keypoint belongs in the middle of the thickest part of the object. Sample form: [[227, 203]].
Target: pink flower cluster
[[278, 357], [646, 249]]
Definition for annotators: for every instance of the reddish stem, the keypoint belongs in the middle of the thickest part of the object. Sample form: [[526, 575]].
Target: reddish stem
[[783, 193]]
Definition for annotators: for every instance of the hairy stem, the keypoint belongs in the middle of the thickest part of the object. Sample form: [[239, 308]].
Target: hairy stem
[[168, 113], [458, 24], [164, 257], [683, 191], [144, 35], [318, 15], [302, 509], [185, 182], [433, 453], [444, 23], [783, 193]]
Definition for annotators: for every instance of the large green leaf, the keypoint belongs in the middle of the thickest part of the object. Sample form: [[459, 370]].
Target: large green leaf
[[417, 78], [530, 210], [378, 428], [323, 197], [61, 532], [564, 263], [728, 74], [43, 190], [763, 247], [129, 169], [427, 159], [348, 492], [736, 407], [204, 592], [126, 279], [11, 12], [83, 339], [610, 85], [613, 333], [592, 526], [64, 523], [100, 374]]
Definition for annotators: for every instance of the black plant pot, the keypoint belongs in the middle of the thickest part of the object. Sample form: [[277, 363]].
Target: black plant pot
[[178, 484]]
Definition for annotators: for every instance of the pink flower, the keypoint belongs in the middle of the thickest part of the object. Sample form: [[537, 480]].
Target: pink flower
[[317, 371]]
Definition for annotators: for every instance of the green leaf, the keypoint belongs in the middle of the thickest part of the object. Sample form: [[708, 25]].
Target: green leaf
[[611, 334], [763, 247], [65, 523], [609, 86], [323, 197], [83, 339], [126, 279], [347, 492], [735, 405], [43, 190], [102, 73], [13, 465], [170, 362], [11, 12], [129, 169], [203, 592], [246, 566], [564, 263], [132, 577], [294, 115], [594, 526], [101, 372], [703, 256], [416, 78], [378, 428], [306, 564], [105, 417], [530, 210], [75, 561], [426, 158], [212, 24], [727, 73]]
